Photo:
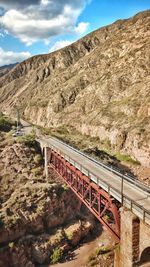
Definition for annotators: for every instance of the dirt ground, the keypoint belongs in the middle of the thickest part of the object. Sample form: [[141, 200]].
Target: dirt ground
[[82, 253]]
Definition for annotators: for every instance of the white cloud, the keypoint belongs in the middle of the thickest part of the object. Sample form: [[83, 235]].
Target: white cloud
[[31, 21], [45, 2], [9, 57], [81, 27], [60, 44]]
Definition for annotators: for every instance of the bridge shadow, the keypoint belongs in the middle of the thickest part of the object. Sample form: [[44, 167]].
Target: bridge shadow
[[89, 240], [145, 257], [109, 160]]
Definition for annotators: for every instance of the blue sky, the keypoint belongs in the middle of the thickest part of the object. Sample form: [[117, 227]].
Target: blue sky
[[40, 26]]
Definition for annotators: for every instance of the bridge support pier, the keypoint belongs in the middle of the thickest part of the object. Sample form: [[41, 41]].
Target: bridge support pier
[[46, 161], [128, 255]]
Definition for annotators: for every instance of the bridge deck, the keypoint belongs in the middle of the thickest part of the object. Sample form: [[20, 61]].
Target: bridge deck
[[130, 194]]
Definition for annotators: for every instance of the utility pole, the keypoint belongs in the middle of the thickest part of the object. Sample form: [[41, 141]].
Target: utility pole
[[18, 119]]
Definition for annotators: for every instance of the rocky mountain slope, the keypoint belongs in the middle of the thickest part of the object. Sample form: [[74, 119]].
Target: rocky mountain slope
[[6, 68], [100, 85]]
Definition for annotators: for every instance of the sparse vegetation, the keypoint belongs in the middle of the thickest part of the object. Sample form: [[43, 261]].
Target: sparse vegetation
[[28, 140], [101, 150], [30, 198], [60, 190], [56, 255], [11, 244], [5, 123], [93, 258], [36, 171], [69, 235], [106, 144], [126, 158], [100, 86], [38, 159]]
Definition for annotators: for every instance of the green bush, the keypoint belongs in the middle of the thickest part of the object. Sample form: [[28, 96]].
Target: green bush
[[93, 257], [5, 123], [28, 140], [56, 255], [11, 244], [38, 159], [36, 171], [62, 130], [126, 158], [69, 235]]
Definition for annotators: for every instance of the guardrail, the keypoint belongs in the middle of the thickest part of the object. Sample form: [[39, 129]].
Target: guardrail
[[111, 168], [136, 208]]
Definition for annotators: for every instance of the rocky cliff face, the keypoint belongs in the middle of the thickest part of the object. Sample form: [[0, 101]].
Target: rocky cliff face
[[99, 85], [38, 215]]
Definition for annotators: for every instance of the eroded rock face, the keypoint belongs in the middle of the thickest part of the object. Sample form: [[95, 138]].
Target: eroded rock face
[[100, 85], [5, 69], [37, 214], [31, 250]]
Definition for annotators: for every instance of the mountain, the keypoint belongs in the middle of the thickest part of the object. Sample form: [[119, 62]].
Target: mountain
[[100, 85], [4, 69], [10, 66]]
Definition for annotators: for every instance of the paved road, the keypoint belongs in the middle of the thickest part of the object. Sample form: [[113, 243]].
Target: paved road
[[27, 127], [135, 198]]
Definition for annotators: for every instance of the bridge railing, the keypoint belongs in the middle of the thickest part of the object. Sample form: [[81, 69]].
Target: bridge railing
[[136, 208], [111, 168]]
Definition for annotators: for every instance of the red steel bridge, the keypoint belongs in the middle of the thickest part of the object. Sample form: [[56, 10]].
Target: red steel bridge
[[99, 202], [100, 187]]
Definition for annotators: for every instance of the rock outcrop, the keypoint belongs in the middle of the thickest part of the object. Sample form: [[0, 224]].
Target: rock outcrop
[[38, 215], [99, 85]]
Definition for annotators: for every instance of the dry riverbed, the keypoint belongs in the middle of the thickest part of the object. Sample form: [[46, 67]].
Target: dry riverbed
[[82, 255]]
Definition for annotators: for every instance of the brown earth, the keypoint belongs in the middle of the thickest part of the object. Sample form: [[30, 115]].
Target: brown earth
[[38, 215], [86, 255], [98, 85], [5, 69]]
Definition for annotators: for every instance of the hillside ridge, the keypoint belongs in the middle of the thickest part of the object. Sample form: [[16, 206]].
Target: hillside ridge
[[99, 85]]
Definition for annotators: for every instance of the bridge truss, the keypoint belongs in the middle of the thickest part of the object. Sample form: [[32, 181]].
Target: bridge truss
[[100, 203]]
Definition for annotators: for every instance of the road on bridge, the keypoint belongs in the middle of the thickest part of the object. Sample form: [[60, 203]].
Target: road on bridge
[[131, 193], [135, 198]]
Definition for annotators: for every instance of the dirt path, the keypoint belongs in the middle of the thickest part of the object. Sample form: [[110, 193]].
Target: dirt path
[[82, 253]]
